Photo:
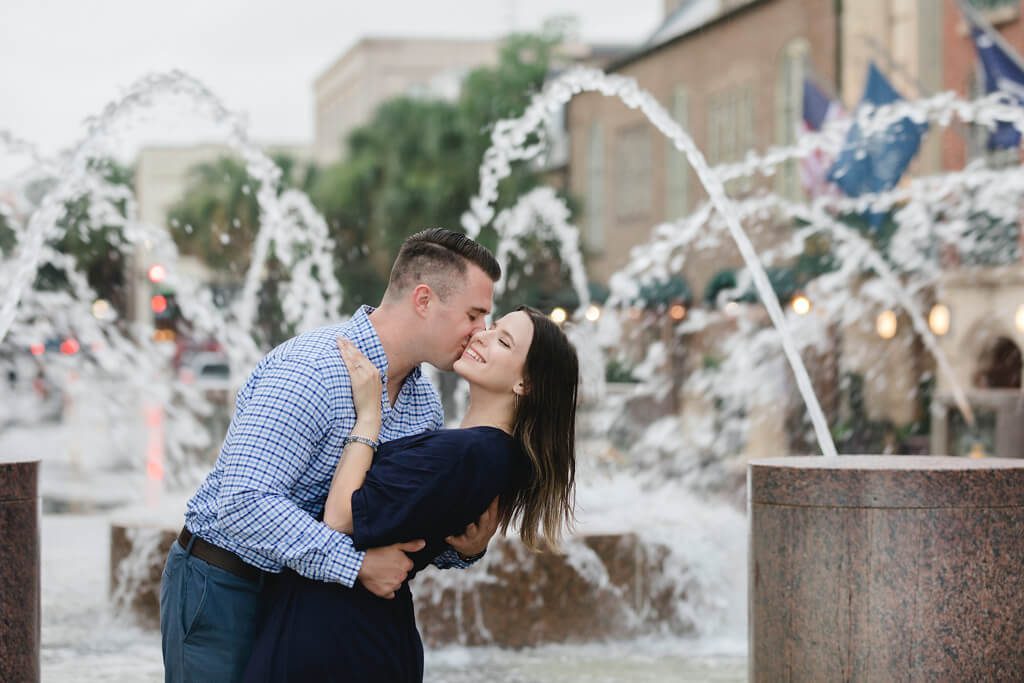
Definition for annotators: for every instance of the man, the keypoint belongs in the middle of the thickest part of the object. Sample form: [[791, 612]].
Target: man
[[258, 511]]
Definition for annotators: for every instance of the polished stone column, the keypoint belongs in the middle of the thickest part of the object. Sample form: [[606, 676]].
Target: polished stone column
[[886, 568], [19, 571]]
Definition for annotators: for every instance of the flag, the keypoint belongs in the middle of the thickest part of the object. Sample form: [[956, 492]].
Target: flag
[[818, 111], [875, 163], [1003, 72]]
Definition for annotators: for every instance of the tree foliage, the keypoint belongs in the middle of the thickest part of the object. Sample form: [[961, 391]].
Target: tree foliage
[[98, 251], [415, 165], [217, 220]]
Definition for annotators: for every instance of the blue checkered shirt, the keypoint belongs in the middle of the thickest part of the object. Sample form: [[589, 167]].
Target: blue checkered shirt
[[270, 482]]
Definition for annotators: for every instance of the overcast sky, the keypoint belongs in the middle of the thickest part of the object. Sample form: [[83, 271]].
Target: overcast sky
[[63, 60]]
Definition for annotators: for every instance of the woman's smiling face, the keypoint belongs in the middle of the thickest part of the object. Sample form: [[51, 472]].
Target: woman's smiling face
[[495, 358]]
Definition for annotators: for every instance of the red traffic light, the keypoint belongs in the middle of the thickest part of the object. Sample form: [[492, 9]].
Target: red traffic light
[[157, 273], [158, 303]]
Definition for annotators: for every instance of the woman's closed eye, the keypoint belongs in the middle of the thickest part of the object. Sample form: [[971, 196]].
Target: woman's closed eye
[[501, 340]]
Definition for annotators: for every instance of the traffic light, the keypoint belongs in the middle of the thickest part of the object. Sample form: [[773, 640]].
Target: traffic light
[[166, 315]]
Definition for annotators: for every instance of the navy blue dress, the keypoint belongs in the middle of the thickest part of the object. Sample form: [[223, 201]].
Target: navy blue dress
[[427, 486]]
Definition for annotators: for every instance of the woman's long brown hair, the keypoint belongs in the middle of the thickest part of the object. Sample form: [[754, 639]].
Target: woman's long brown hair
[[545, 427]]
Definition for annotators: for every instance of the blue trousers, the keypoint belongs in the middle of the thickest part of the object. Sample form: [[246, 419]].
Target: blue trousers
[[207, 619]]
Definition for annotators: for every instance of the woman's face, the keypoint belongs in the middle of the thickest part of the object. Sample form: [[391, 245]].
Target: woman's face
[[495, 358]]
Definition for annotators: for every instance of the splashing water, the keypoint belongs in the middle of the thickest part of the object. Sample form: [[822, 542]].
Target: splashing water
[[508, 143]]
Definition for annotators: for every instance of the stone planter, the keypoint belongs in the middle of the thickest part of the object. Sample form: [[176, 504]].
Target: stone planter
[[19, 571], [871, 568], [137, 556], [608, 586]]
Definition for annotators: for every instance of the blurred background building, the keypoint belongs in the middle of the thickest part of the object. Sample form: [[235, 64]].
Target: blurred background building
[[376, 69]]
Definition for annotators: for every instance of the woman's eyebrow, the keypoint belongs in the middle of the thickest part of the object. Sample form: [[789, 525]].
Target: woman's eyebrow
[[505, 333]]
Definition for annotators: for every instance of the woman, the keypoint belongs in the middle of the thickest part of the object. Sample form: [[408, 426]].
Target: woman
[[516, 443]]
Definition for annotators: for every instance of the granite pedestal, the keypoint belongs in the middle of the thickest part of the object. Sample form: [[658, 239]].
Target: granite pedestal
[[886, 568], [19, 571]]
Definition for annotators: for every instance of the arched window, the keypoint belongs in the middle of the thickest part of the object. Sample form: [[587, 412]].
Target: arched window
[[1000, 366], [789, 101]]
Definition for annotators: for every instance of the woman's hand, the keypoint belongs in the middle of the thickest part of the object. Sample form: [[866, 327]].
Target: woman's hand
[[366, 384], [357, 457]]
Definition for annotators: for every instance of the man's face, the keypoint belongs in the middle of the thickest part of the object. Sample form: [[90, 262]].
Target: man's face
[[456, 320]]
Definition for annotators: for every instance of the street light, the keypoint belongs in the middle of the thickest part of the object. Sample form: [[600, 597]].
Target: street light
[[801, 304], [558, 315], [938, 319], [103, 311], [593, 313], [157, 273], [677, 311], [886, 324]]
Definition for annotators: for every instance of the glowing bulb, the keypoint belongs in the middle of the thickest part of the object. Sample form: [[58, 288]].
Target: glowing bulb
[[158, 303], [593, 313], [558, 315], [801, 304], [886, 325], [101, 309], [677, 311], [938, 319], [157, 273]]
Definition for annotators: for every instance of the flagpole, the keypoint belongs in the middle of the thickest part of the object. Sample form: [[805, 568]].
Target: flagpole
[[899, 68], [973, 15], [895, 66]]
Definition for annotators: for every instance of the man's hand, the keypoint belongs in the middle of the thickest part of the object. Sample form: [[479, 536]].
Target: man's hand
[[384, 569], [476, 537]]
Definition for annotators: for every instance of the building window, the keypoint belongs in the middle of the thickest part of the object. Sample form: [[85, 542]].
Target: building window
[[977, 136], [677, 170], [731, 129], [633, 172], [789, 102], [594, 234]]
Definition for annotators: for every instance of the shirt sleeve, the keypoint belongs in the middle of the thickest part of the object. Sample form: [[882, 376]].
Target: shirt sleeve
[[432, 488], [271, 442]]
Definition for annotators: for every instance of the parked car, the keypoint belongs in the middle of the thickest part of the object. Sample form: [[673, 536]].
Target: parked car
[[208, 370]]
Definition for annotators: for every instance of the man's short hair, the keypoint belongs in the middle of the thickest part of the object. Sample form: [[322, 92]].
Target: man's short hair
[[439, 258]]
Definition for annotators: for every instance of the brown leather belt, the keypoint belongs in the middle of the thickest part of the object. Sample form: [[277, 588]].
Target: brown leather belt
[[218, 557]]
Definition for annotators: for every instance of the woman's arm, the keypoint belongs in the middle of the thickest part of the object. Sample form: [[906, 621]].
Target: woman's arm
[[357, 455]]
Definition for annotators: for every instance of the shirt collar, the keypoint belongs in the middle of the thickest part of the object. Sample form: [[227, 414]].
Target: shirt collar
[[364, 335]]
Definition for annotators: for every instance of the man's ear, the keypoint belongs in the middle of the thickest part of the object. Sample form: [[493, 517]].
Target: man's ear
[[422, 295]]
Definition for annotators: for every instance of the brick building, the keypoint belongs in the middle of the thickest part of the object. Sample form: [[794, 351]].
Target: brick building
[[731, 73], [960, 68]]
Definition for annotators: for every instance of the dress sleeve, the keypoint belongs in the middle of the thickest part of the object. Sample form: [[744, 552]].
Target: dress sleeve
[[432, 488]]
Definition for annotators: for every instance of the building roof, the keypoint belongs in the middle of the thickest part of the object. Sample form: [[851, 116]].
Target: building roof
[[690, 16]]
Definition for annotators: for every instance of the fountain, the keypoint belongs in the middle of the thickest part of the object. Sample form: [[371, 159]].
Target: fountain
[[836, 590], [631, 570]]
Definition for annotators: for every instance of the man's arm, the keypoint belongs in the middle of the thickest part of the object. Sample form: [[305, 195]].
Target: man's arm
[[270, 444], [469, 547]]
